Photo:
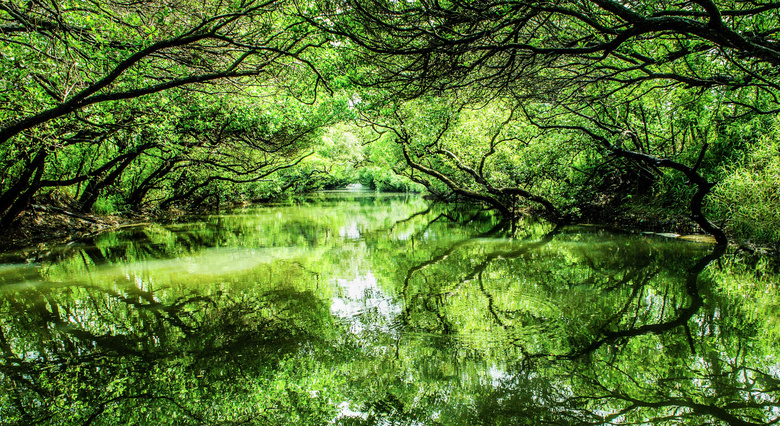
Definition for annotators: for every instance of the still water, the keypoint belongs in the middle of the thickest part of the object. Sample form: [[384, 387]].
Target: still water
[[357, 309]]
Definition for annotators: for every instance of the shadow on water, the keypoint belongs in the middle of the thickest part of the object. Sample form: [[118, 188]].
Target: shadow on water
[[386, 311]]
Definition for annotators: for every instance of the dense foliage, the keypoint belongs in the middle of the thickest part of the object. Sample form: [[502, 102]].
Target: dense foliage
[[576, 110], [120, 105]]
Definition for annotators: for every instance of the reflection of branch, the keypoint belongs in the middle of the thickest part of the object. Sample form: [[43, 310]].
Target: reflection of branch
[[491, 303], [684, 315], [638, 286], [420, 213], [309, 271], [101, 408], [700, 409], [436, 259], [512, 254], [427, 226], [480, 269]]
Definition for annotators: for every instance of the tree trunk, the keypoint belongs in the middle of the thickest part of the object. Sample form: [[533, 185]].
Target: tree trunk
[[22, 201], [16, 199], [96, 186], [703, 187], [8, 198], [136, 198]]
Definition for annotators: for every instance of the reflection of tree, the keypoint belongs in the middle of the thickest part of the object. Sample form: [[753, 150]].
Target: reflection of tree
[[561, 327], [108, 335], [431, 303], [682, 314], [87, 352], [636, 336]]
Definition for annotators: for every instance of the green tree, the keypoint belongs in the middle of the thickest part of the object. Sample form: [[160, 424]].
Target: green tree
[[71, 71], [593, 68]]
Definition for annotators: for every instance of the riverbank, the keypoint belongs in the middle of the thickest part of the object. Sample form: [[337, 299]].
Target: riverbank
[[657, 221], [52, 225]]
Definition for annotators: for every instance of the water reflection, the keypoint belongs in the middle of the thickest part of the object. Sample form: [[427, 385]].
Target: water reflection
[[352, 309], [364, 305]]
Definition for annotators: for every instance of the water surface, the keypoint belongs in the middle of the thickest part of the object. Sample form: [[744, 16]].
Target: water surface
[[357, 309]]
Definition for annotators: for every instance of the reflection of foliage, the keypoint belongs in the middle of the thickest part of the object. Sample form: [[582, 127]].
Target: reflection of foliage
[[130, 355], [466, 321], [591, 333]]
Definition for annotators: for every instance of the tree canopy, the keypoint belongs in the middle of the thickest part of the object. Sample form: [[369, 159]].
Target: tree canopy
[[100, 93], [652, 83], [567, 108]]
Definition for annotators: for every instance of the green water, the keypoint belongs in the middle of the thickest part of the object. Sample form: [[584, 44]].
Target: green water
[[354, 309]]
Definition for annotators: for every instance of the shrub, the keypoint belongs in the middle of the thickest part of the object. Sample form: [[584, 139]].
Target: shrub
[[749, 197]]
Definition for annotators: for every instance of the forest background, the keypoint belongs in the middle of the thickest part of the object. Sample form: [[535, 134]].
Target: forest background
[[653, 114]]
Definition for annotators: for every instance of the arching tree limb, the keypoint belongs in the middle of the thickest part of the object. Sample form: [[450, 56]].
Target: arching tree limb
[[703, 186]]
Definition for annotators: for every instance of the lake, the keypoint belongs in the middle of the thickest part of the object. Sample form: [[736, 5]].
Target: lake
[[363, 309]]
